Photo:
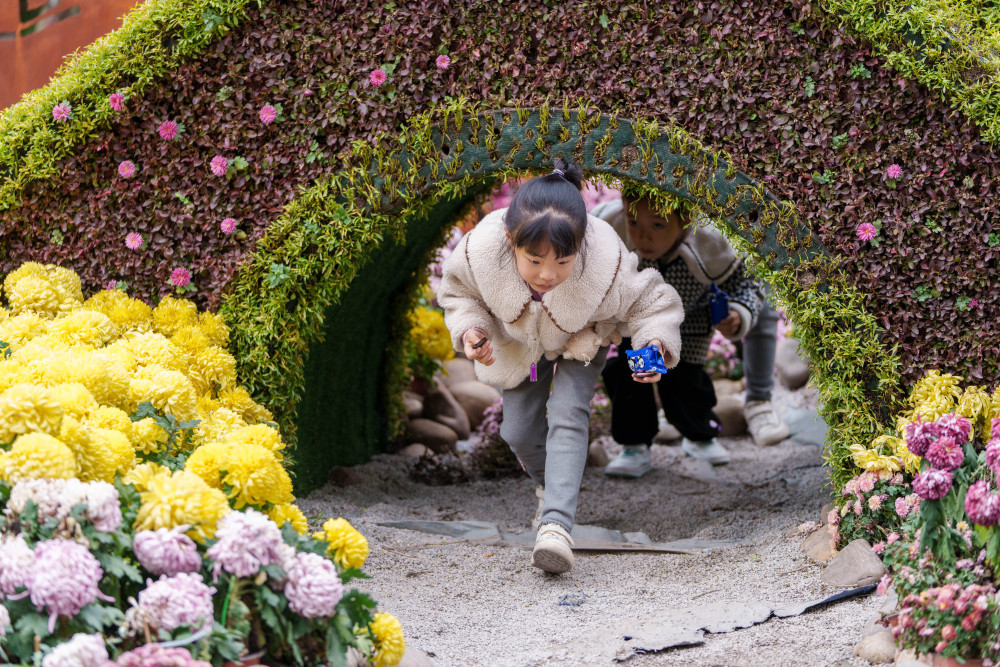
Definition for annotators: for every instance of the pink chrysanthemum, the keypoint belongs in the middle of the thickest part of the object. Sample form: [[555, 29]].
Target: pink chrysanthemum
[[313, 587], [268, 114], [220, 165], [180, 277], [993, 456], [4, 620], [957, 425], [982, 506], [183, 600], [154, 655], [168, 552], [104, 508], [16, 559], [64, 578], [867, 231], [932, 484], [247, 541], [945, 454], [894, 171], [920, 435], [116, 101], [168, 130], [61, 112], [133, 240], [377, 77], [442, 61], [126, 169], [228, 225], [80, 651]]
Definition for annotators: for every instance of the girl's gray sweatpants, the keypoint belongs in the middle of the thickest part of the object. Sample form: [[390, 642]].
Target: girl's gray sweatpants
[[550, 433]]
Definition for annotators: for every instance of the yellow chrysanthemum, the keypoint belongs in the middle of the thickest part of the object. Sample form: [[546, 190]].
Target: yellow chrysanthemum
[[251, 473], [74, 398], [430, 333], [39, 456], [85, 327], [977, 404], [885, 444], [154, 349], [149, 436], [140, 475], [935, 394], [34, 294], [215, 328], [207, 405], [216, 424], [348, 547], [99, 372], [168, 390], [909, 460], [181, 498], [26, 269], [119, 454], [28, 408], [126, 314], [387, 635], [869, 459], [238, 400], [13, 372], [289, 512], [258, 434], [21, 328], [212, 368], [171, 314], [112, 418], [48, 290], [191, 339]]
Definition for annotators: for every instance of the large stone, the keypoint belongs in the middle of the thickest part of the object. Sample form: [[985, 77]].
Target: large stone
[[819, 545], [727, 387], [413, 657], [597, 456], [877, 648], [790, 365], [855, 565], [668, 433], [414, 404], [442, 407], [458, 370], [824, 513], [730, 412], [341, 476], [435, 435], [414, 450], [474, 397]]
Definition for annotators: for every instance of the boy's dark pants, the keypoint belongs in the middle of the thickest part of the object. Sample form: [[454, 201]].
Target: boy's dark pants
[[686, 393]]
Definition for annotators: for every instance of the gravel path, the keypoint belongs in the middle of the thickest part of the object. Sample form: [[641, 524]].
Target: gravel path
[[475, 603]]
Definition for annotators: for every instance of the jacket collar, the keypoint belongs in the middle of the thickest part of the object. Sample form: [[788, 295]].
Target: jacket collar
[[571, 304]]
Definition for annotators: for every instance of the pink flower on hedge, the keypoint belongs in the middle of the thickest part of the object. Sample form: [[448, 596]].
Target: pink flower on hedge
[[377, 77], [116, 101], [133, 240], [64, 578], [313, 587], [168, 130], [443, 61], [268, 114], [894, 171], [61, 112], [168, 552], [228, 225], [180, 277], [973, 303], [80, 651], [945, 454], [867, 231], [220, 165], [126, 169], [932, 484], [982, 506], [111, 284]]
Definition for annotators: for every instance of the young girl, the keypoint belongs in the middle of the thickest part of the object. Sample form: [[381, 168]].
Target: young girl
[[534, 294]]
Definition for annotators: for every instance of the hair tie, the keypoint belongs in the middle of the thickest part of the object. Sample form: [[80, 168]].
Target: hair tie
[[559, 171]]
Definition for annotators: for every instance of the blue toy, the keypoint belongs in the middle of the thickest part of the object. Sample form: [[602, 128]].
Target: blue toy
[[718, 303], [645, 360]]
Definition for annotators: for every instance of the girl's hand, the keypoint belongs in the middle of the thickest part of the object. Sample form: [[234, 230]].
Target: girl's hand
[[648, 377], [478, 346], [729, 326]]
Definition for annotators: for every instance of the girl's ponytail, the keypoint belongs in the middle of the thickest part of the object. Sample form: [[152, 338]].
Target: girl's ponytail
[[549, 212], [568, 171]]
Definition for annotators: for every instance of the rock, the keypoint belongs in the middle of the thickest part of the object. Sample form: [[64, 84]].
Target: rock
[[824, 513], [667, 434], [474, 397], [890, 604], [819, 545], [442, 407], [414, 450], [597, 456], [435, 435], [727, 387], [413, 657], [458, 370], [730, 412], [341, 476], [790, 365], [414, 404], [855, 565], [877, 648]]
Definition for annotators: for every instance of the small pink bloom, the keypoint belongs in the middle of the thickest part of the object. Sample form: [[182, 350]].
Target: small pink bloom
[[894, 171], [857, 507], [61, 112], [220, 165], [116, 101], [883, 585], [443, 61], [228, 225], [377, 77], [168, 130], [111, 284], [307, 92], [867, 231], [126, 169], [268, 114], [973, 303], [133, 240], [892, 537], [180, 277], [878, 548]]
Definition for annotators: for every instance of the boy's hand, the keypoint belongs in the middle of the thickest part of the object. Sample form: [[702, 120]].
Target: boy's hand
[[730, 325], [649, 377], [478, 346]]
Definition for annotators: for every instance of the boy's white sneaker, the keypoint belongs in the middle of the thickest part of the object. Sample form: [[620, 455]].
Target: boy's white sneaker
[[764, 424], [707, 450], [633, 461], [540, 494], [553, 552]]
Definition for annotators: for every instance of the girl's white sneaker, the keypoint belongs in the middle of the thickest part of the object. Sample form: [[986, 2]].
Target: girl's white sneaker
[[707, 450], [553, 552]]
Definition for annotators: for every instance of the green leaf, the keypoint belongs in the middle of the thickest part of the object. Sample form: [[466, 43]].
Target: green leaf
[[604, 20], [99, 617]]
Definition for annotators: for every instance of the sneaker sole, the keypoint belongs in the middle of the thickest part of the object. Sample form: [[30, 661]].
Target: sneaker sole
[[715, 462], [628, 473], [550, 561]]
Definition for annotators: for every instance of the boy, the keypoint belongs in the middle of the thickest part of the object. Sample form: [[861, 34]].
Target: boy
[[691, 261]]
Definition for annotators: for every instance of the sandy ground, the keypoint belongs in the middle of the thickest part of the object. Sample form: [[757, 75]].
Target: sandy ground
[[474, 603]]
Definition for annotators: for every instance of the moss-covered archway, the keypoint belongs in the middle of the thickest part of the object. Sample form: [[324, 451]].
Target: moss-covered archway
[[316, 311]]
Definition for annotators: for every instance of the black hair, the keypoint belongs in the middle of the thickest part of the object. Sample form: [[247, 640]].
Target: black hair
[[549, 212]]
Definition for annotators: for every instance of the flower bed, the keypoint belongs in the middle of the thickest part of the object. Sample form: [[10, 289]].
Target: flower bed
[[147, 509]]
